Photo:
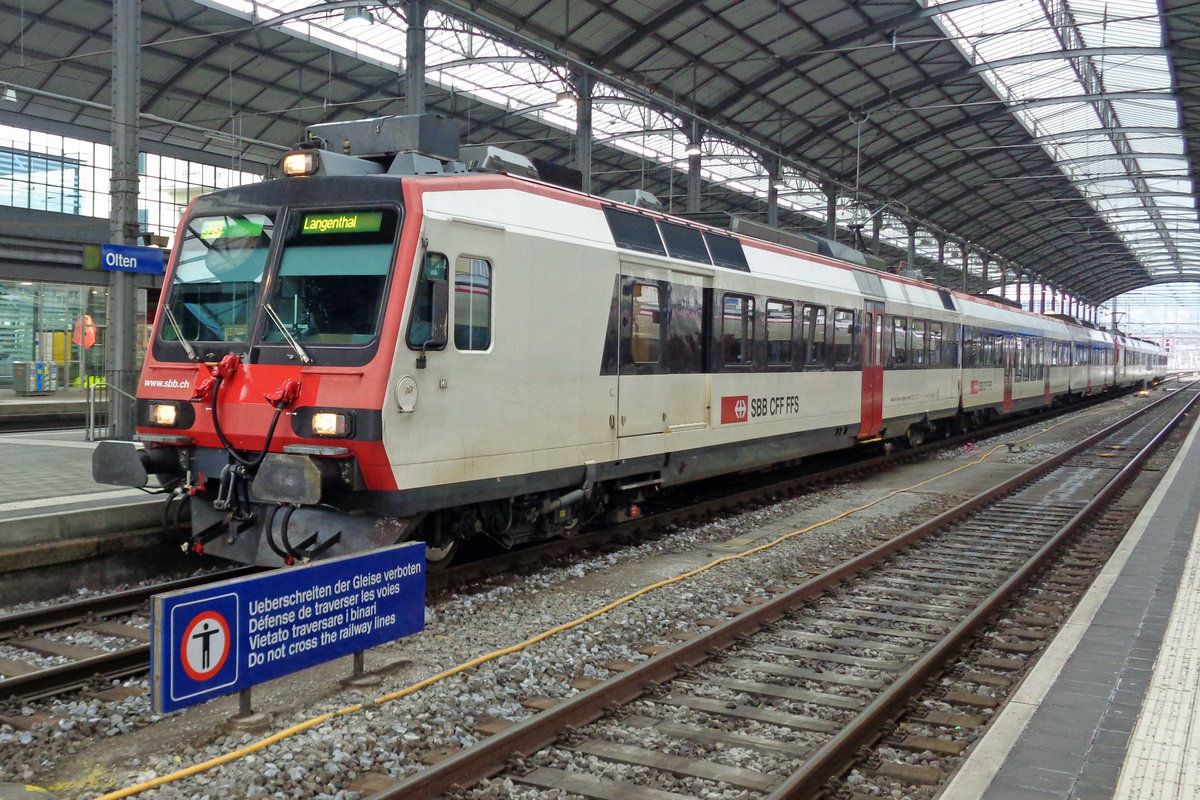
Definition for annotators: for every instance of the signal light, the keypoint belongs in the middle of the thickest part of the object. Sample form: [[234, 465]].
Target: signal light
[[300, 163]]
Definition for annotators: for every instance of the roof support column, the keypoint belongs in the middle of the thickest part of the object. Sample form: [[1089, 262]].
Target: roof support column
[[694, 159], [831, 198], [876, 229], [940, 238], [123, 224], [772, 165], [986, 260], [1003, 278], [966, 261], [911, 251], [414, 58], [1019, 288], [1043, 309], [583, 130]]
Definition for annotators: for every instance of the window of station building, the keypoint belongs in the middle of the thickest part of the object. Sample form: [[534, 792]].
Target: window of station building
[[737, 330], [780, 318], [684, 242], [726, 251], [846, 341], [899, 343], [634, 231], [812, 335], [472, 303], [646, 320]]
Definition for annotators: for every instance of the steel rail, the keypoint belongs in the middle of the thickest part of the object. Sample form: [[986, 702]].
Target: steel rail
[[127, 602], [490, 757]]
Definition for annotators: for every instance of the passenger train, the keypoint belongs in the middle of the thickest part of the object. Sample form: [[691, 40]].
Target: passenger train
[[400, 340]]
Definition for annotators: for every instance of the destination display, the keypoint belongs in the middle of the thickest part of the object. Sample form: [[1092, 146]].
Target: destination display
[[224, 637], [348, 222]]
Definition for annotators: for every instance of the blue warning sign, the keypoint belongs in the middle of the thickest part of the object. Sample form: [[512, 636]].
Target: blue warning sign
[[227, 636]]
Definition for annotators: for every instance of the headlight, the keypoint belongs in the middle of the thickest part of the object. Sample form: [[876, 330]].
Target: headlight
[[164, 415], [299, 163], [330, 423]]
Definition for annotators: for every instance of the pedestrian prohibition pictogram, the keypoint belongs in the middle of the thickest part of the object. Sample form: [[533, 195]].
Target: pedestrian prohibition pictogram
[[205, 646]]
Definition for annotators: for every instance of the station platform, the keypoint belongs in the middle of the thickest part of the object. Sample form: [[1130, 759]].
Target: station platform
[[65, 406], [1112, 708], [51, 511]]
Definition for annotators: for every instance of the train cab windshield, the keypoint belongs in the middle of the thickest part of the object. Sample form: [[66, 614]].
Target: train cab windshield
[[323, 284], [221, 265]]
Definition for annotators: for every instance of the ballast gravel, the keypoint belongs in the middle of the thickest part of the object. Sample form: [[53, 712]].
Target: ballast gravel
[[93, 746]]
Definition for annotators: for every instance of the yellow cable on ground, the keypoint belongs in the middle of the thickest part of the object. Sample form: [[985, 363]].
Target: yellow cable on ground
[[475, 662]]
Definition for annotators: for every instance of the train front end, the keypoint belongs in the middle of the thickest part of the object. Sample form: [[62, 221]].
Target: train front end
[[259, 406]]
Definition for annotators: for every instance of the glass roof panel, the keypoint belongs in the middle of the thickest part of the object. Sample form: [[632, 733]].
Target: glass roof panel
[[1089, 80]]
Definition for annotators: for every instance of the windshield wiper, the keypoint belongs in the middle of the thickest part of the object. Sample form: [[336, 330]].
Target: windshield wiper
[[287, 335], [187, 346]]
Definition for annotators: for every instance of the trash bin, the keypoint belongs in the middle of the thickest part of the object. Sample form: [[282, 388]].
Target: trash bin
[[30, 378]]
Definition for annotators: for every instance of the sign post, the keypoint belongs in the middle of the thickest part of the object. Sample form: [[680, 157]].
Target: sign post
[[228, 636]]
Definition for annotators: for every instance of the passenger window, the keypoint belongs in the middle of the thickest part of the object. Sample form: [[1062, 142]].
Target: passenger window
[[846, 350], [813, 335], [917, 342], [737, 330], [647, 324], [472, 303], [899, 341], [935, 344], [780, 315]]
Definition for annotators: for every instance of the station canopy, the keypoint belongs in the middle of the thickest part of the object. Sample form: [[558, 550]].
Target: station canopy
[[1057, 138]]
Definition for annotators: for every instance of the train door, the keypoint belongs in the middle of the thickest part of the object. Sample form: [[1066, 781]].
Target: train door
[[1009, 357], [662, 385], [872, 370]]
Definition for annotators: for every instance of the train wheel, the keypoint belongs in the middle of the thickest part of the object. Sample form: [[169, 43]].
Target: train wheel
[[441, 557]]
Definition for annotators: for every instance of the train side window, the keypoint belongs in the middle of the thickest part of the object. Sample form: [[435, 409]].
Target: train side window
[[972, 354], [683, 242], [899, 341], [950, 344], [472, 303], [634, 231], [935, 344], [780, 317], [647, 324], [726, 251], [917, 343], [846, 351], [813, 335], [420, 324], [737, 330]]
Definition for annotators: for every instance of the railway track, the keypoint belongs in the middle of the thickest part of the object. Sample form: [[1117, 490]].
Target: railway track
[[39, 658], [806, 679], [30, 639]]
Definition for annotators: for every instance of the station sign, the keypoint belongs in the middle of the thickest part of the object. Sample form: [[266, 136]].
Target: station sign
[[228, 636], [124, 258]]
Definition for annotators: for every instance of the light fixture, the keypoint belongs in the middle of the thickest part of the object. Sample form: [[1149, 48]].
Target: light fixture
[[358, 15], [8, 95], [565, 100], [693, 149]]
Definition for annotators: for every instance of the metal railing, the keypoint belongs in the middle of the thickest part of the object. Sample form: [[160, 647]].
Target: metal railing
[[110, 406]]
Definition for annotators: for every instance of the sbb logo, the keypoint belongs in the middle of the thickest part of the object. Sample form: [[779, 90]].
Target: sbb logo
[[735, 409]]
